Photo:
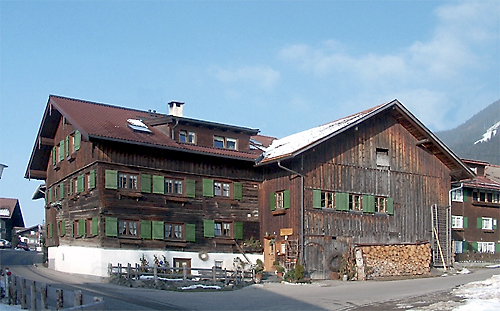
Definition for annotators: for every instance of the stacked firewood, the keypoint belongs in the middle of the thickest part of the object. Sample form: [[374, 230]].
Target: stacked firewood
[[396, 260]]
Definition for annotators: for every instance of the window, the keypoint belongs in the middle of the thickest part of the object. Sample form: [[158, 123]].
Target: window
[[191, 138], [182, 136], [486, 247], [222, 229], [383, 157], [457, 195], [212, 228], [187, 137], [355, 202], [457, 222], [327, 199], [218, 142], [218, 264], [475, 195], [380, 204], [482, 196], [489, 197], [173, 186], [458, 247], [496, 197], [174, 231], [127, 181], [225, 142], [127, 228], [280, 199], [221, 189], [487, 223]]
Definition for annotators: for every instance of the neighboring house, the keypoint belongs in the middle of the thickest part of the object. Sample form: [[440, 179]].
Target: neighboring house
[[31, 235], [10, 217], [475, 214], [121, 183], [371, 177]]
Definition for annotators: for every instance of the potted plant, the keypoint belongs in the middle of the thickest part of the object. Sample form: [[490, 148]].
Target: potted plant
[[279, 269], [259, 268]]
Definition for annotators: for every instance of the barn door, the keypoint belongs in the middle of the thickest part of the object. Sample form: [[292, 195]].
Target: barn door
[[315, 261]]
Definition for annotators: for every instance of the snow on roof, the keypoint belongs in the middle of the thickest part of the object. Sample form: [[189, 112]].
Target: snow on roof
[[287, 145]]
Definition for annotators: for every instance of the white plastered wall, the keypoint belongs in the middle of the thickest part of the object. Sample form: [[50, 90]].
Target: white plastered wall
[[94, 261]]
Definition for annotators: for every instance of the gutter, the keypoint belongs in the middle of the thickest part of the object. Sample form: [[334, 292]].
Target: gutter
[[301, 237]]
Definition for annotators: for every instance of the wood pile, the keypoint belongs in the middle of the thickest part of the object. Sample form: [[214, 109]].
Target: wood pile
[[396, 260]]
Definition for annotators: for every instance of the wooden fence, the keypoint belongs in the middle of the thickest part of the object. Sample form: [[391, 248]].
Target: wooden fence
[[41, 296], [184, 275]]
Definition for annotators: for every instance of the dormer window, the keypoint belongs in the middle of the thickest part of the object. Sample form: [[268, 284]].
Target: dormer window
[[187, 137], [225, 142], [138, 125]]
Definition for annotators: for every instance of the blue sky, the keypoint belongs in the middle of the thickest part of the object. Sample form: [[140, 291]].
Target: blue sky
[[280, 66]]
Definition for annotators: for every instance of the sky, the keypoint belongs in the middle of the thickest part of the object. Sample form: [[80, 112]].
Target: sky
[[278, 66]]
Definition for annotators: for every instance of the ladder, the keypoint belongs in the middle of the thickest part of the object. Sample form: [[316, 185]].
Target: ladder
[[292, 253], [441, 235]]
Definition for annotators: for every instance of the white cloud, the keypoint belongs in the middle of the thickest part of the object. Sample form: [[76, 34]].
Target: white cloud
[[263, 77]]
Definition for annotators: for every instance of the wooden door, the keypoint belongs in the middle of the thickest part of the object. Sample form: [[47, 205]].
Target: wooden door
[[269, 254]]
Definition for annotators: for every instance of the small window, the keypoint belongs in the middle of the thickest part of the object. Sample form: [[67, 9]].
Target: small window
[[486, 247], [191, 138], [173, 186], [231, 143], [127, 228], [496, 197], [218, 264], [221, 189], [380, 204], [355, 202], [279, 199], [457, 195], [489, 197], [218, 142], [327, 199], [458, 247], [487, 223], [174, 231], [182, 136], [475, 195], [222, 229], [457, 222], [127, 181], [482, 196], [383, 157]]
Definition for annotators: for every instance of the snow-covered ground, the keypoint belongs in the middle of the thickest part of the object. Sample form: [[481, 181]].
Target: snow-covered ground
[[481, 295]]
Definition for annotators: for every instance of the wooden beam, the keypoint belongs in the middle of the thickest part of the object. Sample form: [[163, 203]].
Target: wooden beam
[[37, 174], [423, 141], [46, 141]]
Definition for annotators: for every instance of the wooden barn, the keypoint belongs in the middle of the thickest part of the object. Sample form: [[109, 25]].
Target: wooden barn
[[122, 182], [475, 212], [369, 178]]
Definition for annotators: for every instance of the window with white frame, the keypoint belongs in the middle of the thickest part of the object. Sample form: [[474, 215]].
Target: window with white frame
[[486, 247], [327, 199], [355, 202], [127, 181], [225, 142], [487, 223], [458, 247], [457, 222], [381, 204], [457, 195], [173, 186], [221, 189]]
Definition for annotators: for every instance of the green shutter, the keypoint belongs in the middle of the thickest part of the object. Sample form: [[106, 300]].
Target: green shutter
[[342, 201], [190, 188], [495, 226], [49, 231], [66, 146], [72, 229], [49, 198], [78, 139], [272, 201], [70, 191], [474, 246], [466, 222], [111, 177], [465, 194], [158, 184], [238, 230], [286, 199], [92, 179], [237, 191], [368, 203], [146, 229], [80, 183], [208, 228], [95, 224], [61, 150], [465, 246], [190, 232], [61, 190], [63, 228], [146, 183], [111, 226], [480, 222], [158, 230], [390, 206], [54, 155], [81, 227], [208, 187], [317, 198]]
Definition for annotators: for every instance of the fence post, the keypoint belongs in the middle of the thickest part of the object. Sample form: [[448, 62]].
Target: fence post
[[33, 295], [184, 274], [43, 292], [23, 293], [214, 275], [78, 298], [136, 271], [225, 276], [129, 267], [59, 299], [110, 269], [13, 287], [119, 270], [155, 275]]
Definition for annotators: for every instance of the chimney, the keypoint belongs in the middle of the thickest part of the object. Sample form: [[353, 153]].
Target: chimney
[[175, 108]]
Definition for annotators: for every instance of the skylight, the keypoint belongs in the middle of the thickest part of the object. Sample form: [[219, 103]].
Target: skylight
[[138, 125]]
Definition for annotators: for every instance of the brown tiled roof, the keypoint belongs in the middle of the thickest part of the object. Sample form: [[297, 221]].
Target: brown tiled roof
[[102, 121], [481, 182], [9, 204]]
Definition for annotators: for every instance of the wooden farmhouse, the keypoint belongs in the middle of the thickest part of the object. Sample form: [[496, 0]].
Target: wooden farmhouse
[[10, 217], [368, 179], [475, 212], [123, 183]]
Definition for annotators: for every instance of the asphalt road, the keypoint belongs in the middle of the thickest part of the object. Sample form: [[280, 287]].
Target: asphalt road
[[322, 295]]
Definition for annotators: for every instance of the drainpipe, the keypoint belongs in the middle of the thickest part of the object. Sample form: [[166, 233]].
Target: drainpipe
[[173, 128], [301, 237]]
